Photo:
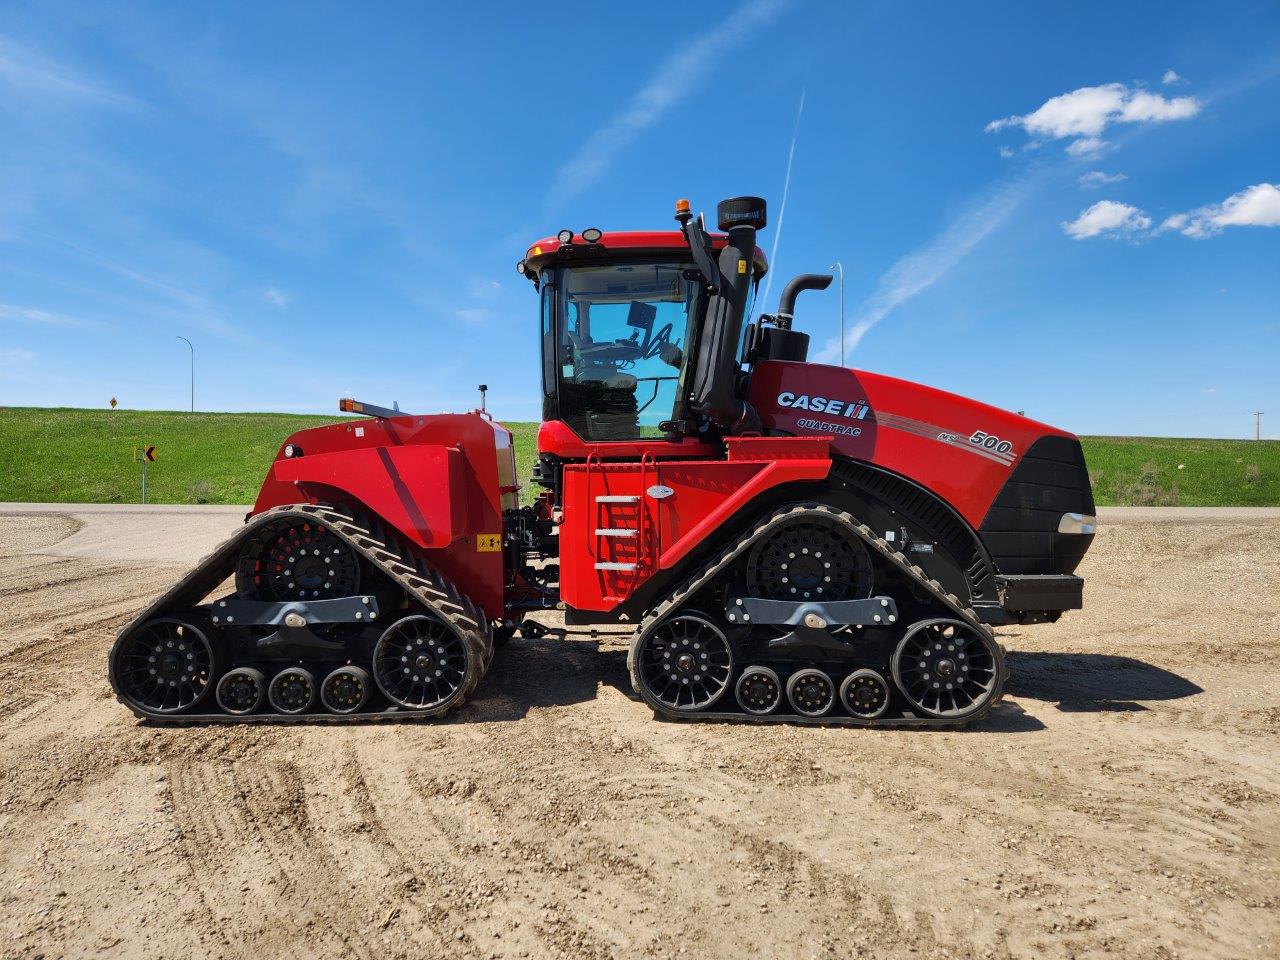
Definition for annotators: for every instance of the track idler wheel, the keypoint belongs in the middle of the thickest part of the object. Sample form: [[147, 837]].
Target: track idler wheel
[[682, 664], [811, 692], [346, 690], [947, 669], [865, 694], [241, 690], [292, 690], [165, 666], [759, 691], [422, 663], [814, 558]]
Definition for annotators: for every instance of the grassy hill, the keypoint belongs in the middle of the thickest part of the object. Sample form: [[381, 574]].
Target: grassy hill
[[64, 455]]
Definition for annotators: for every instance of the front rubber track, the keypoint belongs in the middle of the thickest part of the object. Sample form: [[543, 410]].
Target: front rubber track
[[428, 588]]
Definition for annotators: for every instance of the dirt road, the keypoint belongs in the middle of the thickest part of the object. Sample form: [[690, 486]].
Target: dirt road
[[1125, 800]]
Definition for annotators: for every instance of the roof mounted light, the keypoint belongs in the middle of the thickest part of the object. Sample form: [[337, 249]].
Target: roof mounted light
[[565, 236], [522, 269], [592, 235]]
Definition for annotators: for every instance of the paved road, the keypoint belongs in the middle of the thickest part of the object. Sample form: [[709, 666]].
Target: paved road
[[135, 533]]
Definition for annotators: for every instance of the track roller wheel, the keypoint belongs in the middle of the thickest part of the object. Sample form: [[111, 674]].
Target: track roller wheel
[[346, 690], [684, 663], [165, 666], [292, 690], [865, 694], [422, 663], [947, 669], [241, 690], [811, 692], [759, 691]]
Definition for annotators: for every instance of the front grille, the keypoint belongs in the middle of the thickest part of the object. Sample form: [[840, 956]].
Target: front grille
[[1021, 528]]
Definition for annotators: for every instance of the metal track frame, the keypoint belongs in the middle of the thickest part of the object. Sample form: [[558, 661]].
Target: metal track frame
[[885, 550], [425, 586]]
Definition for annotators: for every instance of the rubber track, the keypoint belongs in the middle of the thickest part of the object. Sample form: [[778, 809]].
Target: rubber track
[[887, 551], [423, 584]]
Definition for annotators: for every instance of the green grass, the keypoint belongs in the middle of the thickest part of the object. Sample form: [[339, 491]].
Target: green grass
[[63, 455], [1155, 471], [86, 456]]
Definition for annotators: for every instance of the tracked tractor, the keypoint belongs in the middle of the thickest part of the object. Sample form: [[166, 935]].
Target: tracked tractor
[[788, 541]]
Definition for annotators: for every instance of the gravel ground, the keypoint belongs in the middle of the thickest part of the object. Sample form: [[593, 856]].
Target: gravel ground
[[1124, 800]]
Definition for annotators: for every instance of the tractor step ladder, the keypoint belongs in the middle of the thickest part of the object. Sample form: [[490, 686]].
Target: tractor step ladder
[[619, 516]]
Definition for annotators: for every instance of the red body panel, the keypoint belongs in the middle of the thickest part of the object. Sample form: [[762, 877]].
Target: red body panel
[[557, 437], [936, 438], [441, 481], [657, 532]]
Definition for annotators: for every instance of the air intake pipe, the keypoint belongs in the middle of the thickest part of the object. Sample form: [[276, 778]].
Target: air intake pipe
[[713, 392]]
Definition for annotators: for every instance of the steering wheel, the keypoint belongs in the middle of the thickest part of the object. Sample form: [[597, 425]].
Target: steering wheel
[[663, 336]]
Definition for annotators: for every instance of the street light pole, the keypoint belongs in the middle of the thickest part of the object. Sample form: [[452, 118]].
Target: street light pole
[[193, 371], [840, 266]]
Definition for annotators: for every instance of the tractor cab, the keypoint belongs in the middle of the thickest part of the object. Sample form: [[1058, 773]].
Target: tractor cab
[[622, 316]]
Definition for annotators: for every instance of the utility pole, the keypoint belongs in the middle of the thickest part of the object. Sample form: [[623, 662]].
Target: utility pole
[[193, 371], [1257, 424], [840, 266]]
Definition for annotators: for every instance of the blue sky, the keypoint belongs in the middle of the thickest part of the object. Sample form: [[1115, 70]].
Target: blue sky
[[1072, 210]]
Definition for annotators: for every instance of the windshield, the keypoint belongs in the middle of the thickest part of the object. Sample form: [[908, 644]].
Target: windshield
[[620, 347]]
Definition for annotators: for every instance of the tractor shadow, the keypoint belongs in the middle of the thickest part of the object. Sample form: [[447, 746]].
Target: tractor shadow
[[555, 670], [1093, 682]]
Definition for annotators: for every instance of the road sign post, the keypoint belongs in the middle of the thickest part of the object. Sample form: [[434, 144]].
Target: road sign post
[[145, 455]]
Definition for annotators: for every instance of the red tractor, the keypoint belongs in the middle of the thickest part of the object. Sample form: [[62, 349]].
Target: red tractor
[[790, 541]]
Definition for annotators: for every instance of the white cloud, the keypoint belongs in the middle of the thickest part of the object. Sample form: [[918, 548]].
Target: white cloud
[[1209, 390], [1170, 76], [1143, 107], [475, 316], [277, 297], [482, 289], [30, 74], [1082, 115], [915, 272], [1255, 206], [1006, 152], [1096, 178], [1107, 217], [1086, 146], [9, 311], [674, 79]]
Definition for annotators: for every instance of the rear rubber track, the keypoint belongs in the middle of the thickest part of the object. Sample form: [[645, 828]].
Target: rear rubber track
[[685, 591], [428, 588]]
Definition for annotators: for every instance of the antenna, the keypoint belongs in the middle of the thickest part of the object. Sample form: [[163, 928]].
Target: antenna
[[786, 188]]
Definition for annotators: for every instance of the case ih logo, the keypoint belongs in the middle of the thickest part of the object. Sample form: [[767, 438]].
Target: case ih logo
[[852, 409]]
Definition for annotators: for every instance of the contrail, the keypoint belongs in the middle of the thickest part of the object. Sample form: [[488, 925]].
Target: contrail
[[926, 265], [682, 72], [786, 187]]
